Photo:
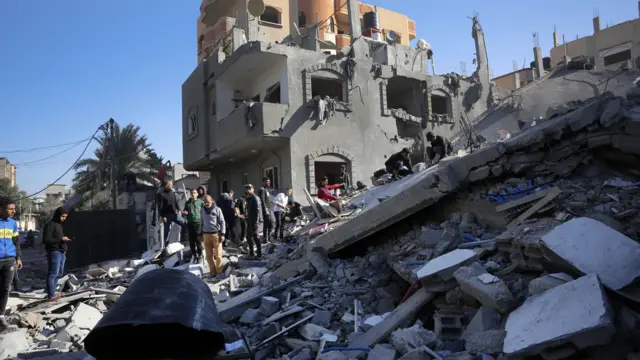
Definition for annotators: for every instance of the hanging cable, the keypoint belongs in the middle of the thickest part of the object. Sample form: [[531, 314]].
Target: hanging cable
[[44, 147], [70, 167], [51, 156]]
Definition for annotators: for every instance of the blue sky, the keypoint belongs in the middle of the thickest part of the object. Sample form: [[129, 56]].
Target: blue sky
[[68, 66]]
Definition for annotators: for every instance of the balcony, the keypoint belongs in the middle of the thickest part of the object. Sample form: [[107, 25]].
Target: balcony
[[213, 10], [235, 138], [343, 40]]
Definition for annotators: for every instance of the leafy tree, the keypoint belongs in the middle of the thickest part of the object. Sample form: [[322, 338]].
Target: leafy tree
[[132, 152], [19, 196]]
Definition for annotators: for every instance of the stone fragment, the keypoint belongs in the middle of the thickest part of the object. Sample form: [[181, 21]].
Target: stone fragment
[[480, 173], [72, 333], [544, 283], [354, 273], [485, 319], [497, 170], [61, 345], [304, 354], [488, 342], [489, 290], [417, 354], [251, 316], [86, 317], [439, 271], [613, 113], [319, 262], [581, 242], [405, 340], [382, 352], [269, 305], [559, 353], [322, 318], [39, 353], [333, 355], [12, 343], [577, 312]]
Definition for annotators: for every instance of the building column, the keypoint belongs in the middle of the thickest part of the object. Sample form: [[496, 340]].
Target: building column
[[516, 80], [246, 21], [354, 19], [537, 55], [482, 59], [293, 17]]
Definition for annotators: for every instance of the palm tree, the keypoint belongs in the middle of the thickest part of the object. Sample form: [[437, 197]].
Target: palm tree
[[133, 153]]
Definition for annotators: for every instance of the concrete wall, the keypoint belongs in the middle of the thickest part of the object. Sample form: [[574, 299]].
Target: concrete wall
[[508, 81], [194, 102], [606, 38]]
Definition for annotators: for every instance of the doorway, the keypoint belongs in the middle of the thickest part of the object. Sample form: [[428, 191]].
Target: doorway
[[329, 166]]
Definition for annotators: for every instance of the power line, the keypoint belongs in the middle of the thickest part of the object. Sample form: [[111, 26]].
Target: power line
[[50, 156], [44, 147], [70, 167]]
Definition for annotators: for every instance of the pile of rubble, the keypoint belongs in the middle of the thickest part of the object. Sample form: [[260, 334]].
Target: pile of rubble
[[532, 251]]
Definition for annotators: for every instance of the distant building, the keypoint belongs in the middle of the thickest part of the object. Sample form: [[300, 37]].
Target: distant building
[[7, 171], [57, 193], [610, 47], [515, 79]]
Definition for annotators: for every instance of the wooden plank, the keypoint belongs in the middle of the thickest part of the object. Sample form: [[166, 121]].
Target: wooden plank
[[397, 317], [312, 203], [523, 200], [552, 194]]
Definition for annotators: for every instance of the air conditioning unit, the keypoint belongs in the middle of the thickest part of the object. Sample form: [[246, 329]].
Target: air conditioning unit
[[330, 52]]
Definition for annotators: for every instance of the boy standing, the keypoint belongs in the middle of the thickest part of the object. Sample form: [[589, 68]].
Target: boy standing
[[192, 210]]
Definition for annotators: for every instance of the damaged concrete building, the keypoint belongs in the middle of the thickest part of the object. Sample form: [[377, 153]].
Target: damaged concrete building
[[291, 112]]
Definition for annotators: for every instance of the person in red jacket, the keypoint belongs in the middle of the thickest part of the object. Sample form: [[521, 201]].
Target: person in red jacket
[[324, 190]]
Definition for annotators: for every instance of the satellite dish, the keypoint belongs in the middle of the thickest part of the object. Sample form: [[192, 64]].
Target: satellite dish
[[256, 7], [392, 37]]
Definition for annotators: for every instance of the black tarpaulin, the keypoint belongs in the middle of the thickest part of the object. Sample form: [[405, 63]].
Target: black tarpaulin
[[164, 314]]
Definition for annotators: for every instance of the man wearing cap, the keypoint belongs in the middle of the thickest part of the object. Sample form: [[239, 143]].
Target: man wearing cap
[[399, 164]]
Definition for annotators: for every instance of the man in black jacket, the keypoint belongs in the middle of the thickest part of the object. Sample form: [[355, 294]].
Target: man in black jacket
[[227, 205], [56, 244], [168, 208], [253, 219], [399, 164], [266, 202], [439, 149]]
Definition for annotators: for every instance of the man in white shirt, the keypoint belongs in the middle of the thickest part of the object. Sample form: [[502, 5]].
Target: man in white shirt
[[280, 208]]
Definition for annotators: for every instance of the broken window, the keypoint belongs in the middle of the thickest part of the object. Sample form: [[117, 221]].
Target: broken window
[[617, 57], [192, 123], [270, 15], [273, 94], [302, 20], [405, 94], [272, 174], [224, 186], [332, 88], [439, 104]]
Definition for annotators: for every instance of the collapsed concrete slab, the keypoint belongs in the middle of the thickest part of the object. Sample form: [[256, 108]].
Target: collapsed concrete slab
[[488, 289], [437, 273], [592, 247], [576, 312]]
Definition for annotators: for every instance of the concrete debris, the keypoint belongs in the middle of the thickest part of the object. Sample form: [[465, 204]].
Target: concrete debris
[[405, 340], [488, 289]]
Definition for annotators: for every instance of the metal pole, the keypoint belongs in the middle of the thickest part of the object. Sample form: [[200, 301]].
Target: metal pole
[[112, 143]]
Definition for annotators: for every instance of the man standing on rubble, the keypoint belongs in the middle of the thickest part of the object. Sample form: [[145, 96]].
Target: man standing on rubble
[[9, 254], [324, 190], [399, 164], [280, 209], [241, 214], [192, 209], [213, 230], [226, 203], [169, 209], [56, 245], [266, 202], [344, 177], [439, 149], [254, 218]]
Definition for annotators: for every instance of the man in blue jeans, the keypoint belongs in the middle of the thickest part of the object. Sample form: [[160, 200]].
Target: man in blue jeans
[[56, 245], [9, 253], [168, 209]]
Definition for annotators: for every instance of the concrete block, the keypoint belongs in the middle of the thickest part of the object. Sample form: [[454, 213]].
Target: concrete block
[[382, 352], [269, 305], [417, 354], [448, 324], [576, 312], [488, 289], [585, 115], [547, 282], [594, 248], [441, 269], [405, 340], [628, 144], [497, 170], [72, 333], [86, 317], [251, 316], [61, 345], [485, 319], [488, 342], [480, 173], [322, 318], [319, 262], [613, 113], [632, 124], [12, 343], [597, 141]]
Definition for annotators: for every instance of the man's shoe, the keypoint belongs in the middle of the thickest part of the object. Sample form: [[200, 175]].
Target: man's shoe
[[4, 324], [55, 298]]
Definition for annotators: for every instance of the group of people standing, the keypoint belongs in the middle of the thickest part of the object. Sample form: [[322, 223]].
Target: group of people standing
[[10, 253], [211, 224]]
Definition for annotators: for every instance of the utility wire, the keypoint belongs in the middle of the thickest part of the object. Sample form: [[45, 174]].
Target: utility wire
[[44, 147], [70, 167], [51, 156]]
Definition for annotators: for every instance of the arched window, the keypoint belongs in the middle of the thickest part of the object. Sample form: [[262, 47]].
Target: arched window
[[270, 15], [332, 25], [302, 19]]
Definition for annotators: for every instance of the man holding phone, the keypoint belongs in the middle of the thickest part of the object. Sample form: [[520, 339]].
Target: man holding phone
[[56, 245]]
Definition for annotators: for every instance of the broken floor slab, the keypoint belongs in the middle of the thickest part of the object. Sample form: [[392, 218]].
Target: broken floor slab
[[576, 312], [439, 271], [490, 290], [592, 247]]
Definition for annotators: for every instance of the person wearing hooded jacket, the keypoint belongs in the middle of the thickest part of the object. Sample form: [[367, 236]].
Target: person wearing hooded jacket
[[56, 244], [9, 254]]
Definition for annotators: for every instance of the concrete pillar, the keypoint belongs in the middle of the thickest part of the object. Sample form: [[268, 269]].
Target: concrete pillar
[[596, 24], [354, 19], [482, 61], [246, 21], [537, 55], [293, 17], [555, 39], [237, 38], [516, 80]]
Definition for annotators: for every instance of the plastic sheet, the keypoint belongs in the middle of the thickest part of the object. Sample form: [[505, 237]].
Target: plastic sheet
[[165, 314]]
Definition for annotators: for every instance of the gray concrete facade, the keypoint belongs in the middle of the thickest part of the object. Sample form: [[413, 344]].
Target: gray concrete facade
[[386, 101]]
